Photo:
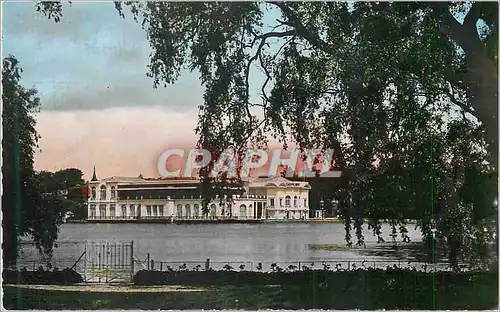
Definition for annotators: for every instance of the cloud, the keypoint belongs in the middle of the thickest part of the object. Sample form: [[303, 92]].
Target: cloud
[[130, 91], [119, 141], [92, 59]]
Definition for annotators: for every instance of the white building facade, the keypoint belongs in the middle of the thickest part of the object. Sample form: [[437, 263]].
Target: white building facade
[[123, 198]]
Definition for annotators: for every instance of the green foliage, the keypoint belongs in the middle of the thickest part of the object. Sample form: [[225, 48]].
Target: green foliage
[[404, 94], [383, 84], [26, 211]]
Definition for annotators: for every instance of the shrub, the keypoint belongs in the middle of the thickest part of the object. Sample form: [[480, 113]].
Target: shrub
[[42, 277]]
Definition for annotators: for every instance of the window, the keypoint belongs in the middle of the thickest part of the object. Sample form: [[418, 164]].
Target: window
[[188, 211], [148, 210], [113, 192], [243, 211], [132, 210], [213, 210], [179, 211], [155, 211], [271, 202], [160, 210], [92, 211], [196, 208], [124, 210], [103, 192], [295, 201], [93, 193], [112, 210], [305, 202], [102, 210], [287, 201], [281, 202]]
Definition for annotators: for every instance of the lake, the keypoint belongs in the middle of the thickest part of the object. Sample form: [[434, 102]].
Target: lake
[[221, 243]]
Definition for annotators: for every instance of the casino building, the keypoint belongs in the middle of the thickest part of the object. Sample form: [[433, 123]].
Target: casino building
[[122, 198]]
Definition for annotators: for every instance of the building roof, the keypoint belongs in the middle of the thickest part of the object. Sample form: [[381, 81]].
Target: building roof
[[137, 180], [276, 182], [254, 182]]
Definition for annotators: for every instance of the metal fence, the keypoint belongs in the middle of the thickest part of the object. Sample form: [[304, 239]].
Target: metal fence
[[287, 266]]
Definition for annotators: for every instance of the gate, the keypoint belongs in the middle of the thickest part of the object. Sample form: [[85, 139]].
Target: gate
[[109, 262]]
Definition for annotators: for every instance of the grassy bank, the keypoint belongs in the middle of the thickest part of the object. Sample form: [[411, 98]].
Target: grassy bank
[[475, 292]]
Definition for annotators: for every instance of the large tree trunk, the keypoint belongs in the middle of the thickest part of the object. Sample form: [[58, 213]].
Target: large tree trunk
[[481, 80], [481, 77]]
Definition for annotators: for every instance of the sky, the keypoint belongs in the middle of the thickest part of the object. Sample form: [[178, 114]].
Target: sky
[[98, 107]]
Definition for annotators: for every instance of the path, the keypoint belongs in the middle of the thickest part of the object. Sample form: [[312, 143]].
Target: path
[[111, 288]]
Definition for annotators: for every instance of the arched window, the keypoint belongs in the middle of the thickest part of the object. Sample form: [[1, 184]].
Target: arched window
[[103, 192], [295, 201], [112, 210], [132, 210], [179, 211], [113, 192], [243, 211], [188, 211], [93, 193], [124, 210], [287, 201], [213, 210], [196, 212]]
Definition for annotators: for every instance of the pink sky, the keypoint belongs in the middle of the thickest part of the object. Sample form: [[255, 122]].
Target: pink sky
[[117, 141]]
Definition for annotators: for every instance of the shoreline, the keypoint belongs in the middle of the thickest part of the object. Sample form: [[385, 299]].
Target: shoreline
[[216, 221]]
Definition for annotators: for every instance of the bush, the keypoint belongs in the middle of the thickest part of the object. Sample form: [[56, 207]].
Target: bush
[[42, 277]]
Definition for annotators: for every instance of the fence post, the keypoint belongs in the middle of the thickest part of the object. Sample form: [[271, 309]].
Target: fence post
[[348, 265], [161, 266], [207, 264], [152, 265], [300, 268], [148, 261], [132, 260]]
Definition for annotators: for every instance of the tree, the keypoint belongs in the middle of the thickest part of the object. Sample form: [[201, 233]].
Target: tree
[[25, 210], [382, 84], [68, 187]]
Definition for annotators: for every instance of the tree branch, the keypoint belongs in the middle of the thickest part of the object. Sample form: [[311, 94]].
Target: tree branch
[[462, 105], [294, 21], [472, 16], [257, 54], [449, 25]]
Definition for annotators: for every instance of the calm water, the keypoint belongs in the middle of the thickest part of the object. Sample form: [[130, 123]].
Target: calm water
[[278, 242]]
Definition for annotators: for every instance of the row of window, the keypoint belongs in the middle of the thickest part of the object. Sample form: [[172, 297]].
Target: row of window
[[158, 210], [112, 210], [213, 211], [113, 196], [288, 201], [102, 193]]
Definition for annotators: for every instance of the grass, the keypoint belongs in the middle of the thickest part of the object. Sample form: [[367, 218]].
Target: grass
[[478, 293], [329, 247]]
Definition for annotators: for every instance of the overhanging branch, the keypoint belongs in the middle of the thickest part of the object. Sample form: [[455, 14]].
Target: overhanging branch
[[301, 30], [257, 54]]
